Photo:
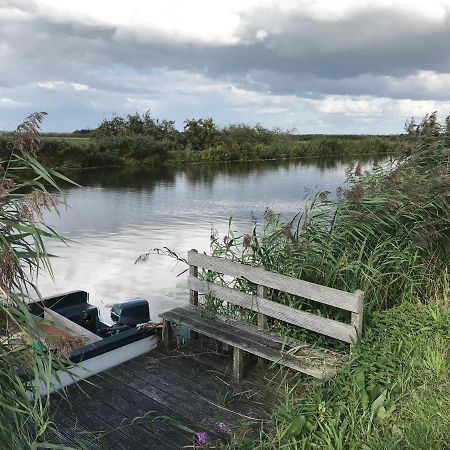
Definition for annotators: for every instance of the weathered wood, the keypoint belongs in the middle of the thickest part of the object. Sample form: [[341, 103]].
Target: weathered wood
[[166, 334], [193, 294], [137, 409], [87, 393], [313, 322], [193, 272], [69, 326], [153, 389], [203, 413], [261, 292], [238, 364], [68, 433], [322, 294], [101, 431], [239, 336], [357, 317]]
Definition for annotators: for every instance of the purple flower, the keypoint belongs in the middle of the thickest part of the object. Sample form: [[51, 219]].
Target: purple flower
[[222, 427], [202, 437]]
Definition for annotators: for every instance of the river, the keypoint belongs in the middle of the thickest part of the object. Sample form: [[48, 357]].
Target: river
[[117, 214]]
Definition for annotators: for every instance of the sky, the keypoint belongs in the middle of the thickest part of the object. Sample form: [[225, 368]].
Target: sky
[[316, 66]]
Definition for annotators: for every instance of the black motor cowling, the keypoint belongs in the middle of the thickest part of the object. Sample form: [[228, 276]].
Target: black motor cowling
[[131, 313]]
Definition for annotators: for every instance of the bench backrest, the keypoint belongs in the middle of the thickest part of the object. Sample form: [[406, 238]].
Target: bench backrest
[[264, 279]]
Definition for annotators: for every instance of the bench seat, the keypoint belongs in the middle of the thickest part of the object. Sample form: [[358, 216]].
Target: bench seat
[[270, 346]]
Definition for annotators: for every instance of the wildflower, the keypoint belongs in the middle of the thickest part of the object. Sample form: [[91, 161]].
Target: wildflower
[[202, 437], [222, 427]]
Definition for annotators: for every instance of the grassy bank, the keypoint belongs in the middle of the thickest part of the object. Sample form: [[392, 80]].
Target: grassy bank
[[389, 235], [68, 151]]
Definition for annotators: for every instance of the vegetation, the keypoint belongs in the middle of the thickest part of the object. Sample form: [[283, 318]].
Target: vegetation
[[24, 364], [141, 139], [389, 235]]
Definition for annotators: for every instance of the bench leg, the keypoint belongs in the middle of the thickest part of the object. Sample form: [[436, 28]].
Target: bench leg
[[238, 364], [262, 363], [166, 334]]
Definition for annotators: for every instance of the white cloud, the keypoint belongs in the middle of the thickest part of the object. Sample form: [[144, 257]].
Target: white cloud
[[50, 85], [11, 103], [142, 104]]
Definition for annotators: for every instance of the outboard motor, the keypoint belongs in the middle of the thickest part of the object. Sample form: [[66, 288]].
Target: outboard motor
[[129, 314]]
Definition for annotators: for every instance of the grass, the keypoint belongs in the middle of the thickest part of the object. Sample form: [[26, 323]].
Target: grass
[[69, 139], [389, 235], [394, 393], [24, 366], [68, 151]]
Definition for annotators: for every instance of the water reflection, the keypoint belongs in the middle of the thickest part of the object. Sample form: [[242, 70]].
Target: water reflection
[[121, 213]]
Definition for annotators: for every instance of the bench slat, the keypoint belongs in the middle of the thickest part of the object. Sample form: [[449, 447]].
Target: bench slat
[[323, 294], [284, 343], [237, 335], [309, 321]]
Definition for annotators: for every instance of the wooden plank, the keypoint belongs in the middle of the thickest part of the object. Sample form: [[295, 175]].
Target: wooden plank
[[357, 317], [252, 397], [283, 343], [195, 409], [72, 327], [102, 432], [166, 334], [261, 292], [136, 408], [193, 272], [210, 326], [70, 428], [322, 294], [238, 364], [309, 321], [90, 398]]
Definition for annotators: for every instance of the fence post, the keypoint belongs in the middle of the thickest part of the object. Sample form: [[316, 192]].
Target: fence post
[[193, 295], [261, 292], [357, 317]]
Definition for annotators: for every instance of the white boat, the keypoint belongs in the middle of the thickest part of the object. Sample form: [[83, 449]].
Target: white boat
[[98, 346]]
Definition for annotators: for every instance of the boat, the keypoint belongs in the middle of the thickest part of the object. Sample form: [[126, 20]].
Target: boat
[[93, 346]]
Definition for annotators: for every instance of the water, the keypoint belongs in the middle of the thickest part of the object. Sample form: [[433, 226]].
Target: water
[[119, 214]]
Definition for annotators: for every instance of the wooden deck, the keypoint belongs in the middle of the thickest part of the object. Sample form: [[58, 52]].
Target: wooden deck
[[134, 405]]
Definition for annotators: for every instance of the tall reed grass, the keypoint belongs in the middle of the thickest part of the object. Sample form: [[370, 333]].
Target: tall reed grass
[[24, 364], [389, 235]]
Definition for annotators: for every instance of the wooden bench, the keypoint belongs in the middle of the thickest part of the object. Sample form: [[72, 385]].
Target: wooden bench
[[257, 340]]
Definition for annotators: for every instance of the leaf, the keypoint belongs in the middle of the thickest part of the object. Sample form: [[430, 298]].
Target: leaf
[[295, 427], [360, 380], [378, 402], [175, 423], [364, 400], [381, 413]]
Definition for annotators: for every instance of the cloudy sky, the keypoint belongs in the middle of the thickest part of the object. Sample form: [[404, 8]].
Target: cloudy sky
[[326, 66]]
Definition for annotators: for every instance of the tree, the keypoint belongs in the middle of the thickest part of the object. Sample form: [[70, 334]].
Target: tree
[[200, 133]]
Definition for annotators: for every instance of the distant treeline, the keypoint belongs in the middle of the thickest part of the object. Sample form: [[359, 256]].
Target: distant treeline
[[142, 140]]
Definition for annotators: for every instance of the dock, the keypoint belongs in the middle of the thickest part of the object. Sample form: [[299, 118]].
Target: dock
[[160, 399]]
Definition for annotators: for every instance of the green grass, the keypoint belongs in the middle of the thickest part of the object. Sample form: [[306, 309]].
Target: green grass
[[389, 235], [69, 139], [75, 151], [394, 392]]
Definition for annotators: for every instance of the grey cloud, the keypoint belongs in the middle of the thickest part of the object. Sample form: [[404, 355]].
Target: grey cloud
[[369, 53]]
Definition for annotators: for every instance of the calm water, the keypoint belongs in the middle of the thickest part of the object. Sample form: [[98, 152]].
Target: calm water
[[119, 214]]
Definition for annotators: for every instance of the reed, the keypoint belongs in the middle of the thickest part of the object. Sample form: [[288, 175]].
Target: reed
[[389, 235], [24, 364]]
